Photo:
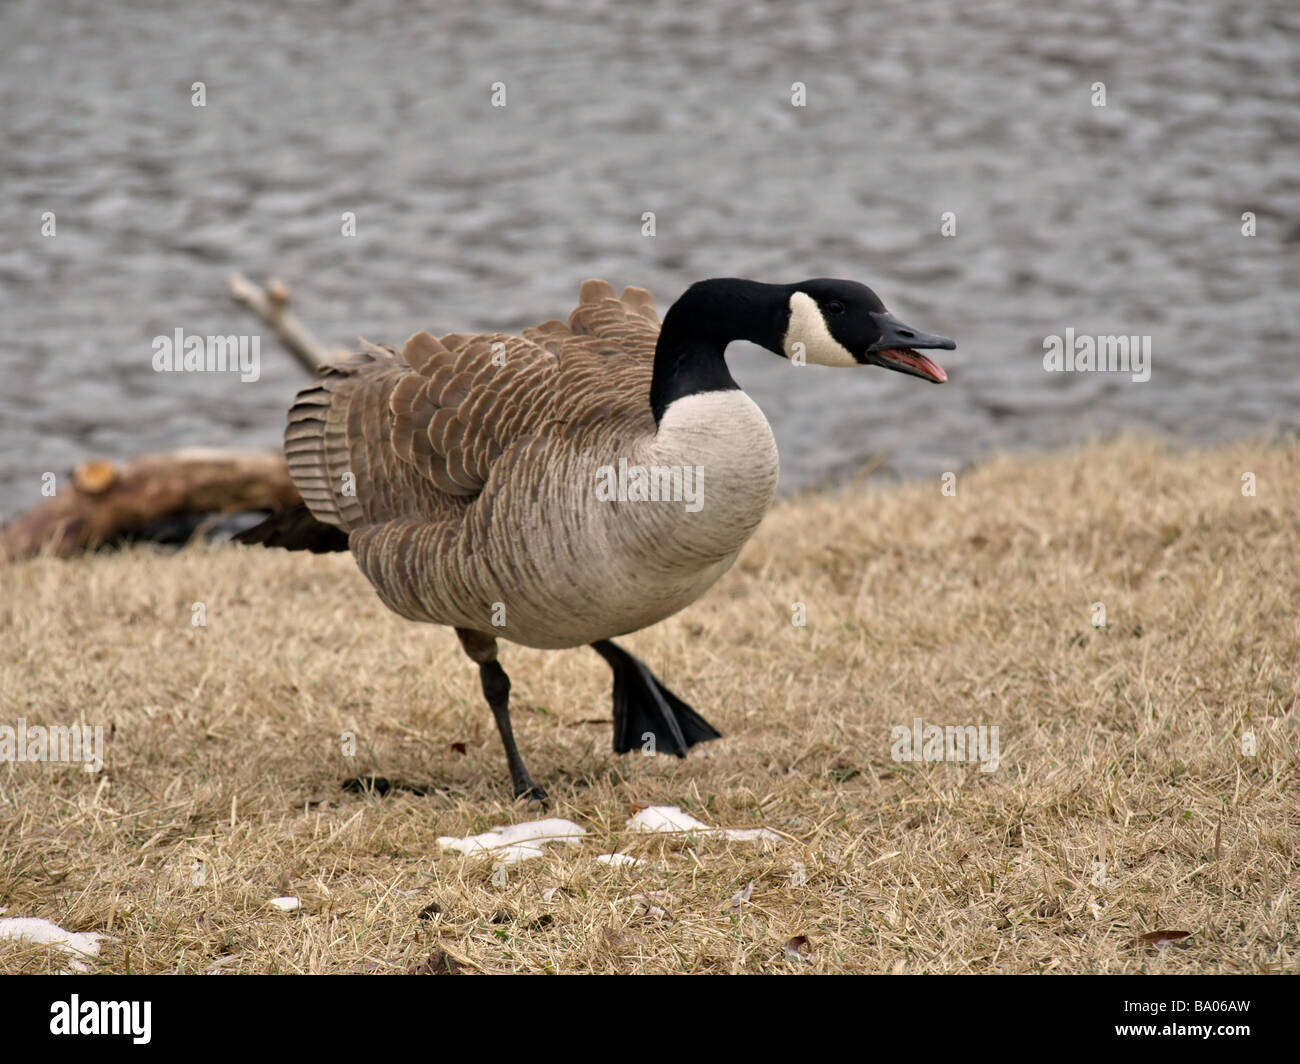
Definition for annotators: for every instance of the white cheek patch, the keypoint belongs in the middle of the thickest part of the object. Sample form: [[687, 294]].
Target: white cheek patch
[[808, 328]]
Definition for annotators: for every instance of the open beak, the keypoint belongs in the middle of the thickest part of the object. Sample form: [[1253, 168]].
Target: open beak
[[897, 349]]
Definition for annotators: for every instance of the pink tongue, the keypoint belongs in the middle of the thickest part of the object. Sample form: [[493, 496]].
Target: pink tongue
[[918, 362]]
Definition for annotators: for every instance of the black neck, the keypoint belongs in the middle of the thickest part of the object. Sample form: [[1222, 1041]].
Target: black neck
[[699, 326]]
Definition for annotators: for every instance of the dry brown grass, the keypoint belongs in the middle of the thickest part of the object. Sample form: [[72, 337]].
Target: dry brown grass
[[1121, 745]]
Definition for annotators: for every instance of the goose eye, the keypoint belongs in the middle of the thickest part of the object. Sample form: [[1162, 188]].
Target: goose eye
[[834, 307]]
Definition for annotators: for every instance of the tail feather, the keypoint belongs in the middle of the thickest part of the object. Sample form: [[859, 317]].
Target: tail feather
[[296, 529]]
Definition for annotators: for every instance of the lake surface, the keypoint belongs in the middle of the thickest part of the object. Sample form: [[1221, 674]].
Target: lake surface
[[1123, 219]]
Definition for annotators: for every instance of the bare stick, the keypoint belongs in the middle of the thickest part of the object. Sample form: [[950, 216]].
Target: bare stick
[[271, 304]]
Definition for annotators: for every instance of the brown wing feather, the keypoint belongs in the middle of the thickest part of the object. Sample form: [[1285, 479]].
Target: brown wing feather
[[422, 431]]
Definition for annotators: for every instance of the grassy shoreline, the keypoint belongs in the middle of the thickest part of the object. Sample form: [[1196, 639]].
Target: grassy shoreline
[[1121, 747]]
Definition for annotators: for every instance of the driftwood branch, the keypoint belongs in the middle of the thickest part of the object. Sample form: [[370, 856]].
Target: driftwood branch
[[271, 304], [104, 501], [164, 496]]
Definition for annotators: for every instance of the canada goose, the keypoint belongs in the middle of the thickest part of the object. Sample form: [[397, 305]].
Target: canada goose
[[527, 487]]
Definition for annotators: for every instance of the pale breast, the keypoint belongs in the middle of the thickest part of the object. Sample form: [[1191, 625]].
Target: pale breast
[[609, 540]]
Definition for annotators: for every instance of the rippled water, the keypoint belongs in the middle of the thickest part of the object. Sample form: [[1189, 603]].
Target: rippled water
[[1117, 219]]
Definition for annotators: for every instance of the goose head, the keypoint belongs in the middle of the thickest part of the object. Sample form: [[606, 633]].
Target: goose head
[[824, 321], [830, 322]]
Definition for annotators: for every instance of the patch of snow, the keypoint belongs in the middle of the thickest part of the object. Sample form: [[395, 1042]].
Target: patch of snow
[[665, 818], [618, 860], [76, 944], [749, 834], [517, 842], [285, 905], [670, 818]]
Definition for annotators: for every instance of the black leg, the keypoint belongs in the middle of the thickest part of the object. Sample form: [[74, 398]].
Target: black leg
[[482, 648], [496, 689], [646, 711]]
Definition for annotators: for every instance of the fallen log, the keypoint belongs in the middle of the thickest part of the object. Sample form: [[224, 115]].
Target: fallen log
[[103, 503], [170, 498]]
